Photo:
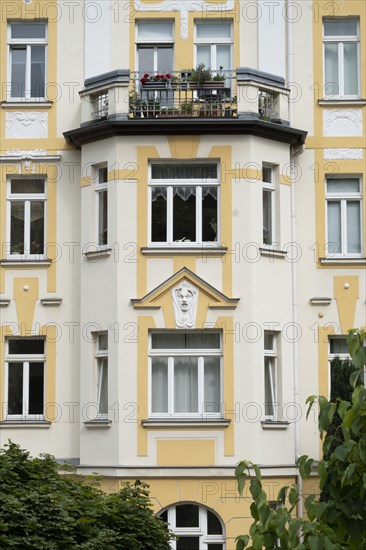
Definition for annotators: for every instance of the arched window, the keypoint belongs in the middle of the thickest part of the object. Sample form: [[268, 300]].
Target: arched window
[[196, 527]]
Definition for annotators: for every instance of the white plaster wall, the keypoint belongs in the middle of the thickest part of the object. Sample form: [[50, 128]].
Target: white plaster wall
[[272, 37], [98, 45]]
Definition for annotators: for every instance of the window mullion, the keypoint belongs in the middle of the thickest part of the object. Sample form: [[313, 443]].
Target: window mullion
[[214, 56]]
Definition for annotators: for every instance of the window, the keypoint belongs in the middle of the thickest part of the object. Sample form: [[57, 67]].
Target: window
[[102, 375], [185, 374], [102, 194], [214, 44], [26, 216], [344, 216], [268, 195], [196, 527], [184, 202], [155, 46], [341, 58], [27, 59], [270, 375], [24, 375]]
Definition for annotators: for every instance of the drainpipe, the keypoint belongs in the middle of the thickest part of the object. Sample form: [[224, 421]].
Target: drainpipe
[[293, 153]]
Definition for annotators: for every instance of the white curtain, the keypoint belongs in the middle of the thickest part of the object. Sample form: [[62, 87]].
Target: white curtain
[[334, 227], [159, 397], [212, 384], [353, 227], [185, 384], [184, 193], [331, 83], [350, 69]]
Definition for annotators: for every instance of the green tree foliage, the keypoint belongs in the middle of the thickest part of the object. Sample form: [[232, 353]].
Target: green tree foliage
[[41, 509], [339, 522]]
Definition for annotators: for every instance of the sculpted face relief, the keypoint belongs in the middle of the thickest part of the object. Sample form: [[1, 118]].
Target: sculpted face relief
[[185, 297]]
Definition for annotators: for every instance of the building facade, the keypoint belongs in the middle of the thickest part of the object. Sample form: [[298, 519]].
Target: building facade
[[183, 239]]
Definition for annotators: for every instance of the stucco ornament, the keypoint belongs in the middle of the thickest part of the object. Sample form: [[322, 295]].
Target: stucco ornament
[[185, 298], [184, 7]]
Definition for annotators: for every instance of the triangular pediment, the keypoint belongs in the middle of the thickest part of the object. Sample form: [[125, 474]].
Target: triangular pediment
[[215, 298]]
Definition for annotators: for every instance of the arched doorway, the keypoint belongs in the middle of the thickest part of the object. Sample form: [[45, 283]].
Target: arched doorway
[[197, 527]]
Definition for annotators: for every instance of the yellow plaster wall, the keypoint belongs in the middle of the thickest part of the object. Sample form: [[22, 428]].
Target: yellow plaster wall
[[346, 298], [144, 324], [194, 452]]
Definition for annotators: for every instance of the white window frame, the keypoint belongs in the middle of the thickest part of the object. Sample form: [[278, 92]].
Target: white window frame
[[25, 360], [273, 375], [214, 42], [200, 531], [343, 198], [101, 186], [200, 354], [154, 42], [198, 184], [341, 40], [27, 198], [28, 42], [270, 187], [102, 365]]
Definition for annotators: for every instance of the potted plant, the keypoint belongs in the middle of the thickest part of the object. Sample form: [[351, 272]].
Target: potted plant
[[156, 81], [201, 77], [135, 104], [168, 112], [186, 109]]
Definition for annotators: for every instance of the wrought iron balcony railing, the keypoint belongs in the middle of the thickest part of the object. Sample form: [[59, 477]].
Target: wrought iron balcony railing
[[177, 95]]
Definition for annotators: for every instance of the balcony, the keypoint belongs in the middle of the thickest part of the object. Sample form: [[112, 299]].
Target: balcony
[[180, 95], [241, 102], [244, 94]]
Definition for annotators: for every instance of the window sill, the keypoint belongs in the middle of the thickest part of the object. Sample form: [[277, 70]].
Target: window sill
[[186, 423], [272, 252], [25, 262], [48, 302], [97, 253], [22, 102], [340, 101], [343, 261], [25, 424], [4, 302], [320, 301], [198, 250], [98, 423], [275, 424]]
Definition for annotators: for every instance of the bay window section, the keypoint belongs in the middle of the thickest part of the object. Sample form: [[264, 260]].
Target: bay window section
[[185, 375], [184, 204]]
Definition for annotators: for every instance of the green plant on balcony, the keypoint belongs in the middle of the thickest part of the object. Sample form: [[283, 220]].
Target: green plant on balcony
[[151, 108], [186, 107], [219, 77], [200, 74], [135, 104]]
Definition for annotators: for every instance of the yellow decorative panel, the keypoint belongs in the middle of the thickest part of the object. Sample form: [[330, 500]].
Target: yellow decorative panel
[[190, 452], [26, 292], [346, 293]]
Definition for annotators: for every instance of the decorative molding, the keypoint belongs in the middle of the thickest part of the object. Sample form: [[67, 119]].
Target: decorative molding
[[14, 104], [185, 423], [97, 253], [275, 425], [98, 423], [184, 7], [185, 299], [202, 251], [26, 124], [51, 301], [272, 252], [343, 154], [342, 122], [36, 155], [4, 302], [320, 301], [343, 261]]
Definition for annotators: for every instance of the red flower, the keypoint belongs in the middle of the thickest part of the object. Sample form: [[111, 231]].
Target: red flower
[[143, 80], [146, 75], [167, 75]]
